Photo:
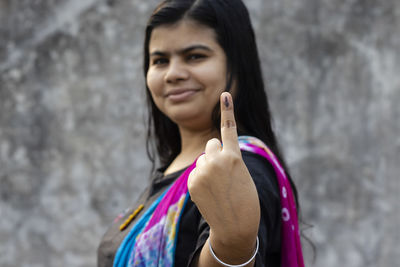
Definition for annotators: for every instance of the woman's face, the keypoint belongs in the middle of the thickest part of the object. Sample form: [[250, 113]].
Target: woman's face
[[187, 72]]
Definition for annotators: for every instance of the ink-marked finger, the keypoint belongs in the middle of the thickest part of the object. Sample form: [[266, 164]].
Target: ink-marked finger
[[228, 124]]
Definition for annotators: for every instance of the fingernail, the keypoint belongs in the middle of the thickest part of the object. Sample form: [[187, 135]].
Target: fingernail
[[226, 102]]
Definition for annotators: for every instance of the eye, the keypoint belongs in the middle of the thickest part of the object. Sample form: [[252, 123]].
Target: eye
[[160, 61], [195, 57]]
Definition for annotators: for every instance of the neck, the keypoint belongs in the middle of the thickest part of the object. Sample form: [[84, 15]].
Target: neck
[[193, 143]]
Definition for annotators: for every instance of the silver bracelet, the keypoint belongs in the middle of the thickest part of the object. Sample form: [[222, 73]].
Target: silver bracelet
[[230, 265]]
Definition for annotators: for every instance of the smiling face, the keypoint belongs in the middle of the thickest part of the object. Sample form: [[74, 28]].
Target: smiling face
[[187, 72]]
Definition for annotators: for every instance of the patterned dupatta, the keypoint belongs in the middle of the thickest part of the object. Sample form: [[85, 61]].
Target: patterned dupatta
[[152, 240]]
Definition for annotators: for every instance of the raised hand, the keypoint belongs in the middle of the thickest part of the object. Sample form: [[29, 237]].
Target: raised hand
[[222, 187]]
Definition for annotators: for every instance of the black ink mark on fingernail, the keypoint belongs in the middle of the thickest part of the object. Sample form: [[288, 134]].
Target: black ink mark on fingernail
[[226, 102]]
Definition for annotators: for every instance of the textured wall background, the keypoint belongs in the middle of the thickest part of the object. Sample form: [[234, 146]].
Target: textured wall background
[[72, 111]]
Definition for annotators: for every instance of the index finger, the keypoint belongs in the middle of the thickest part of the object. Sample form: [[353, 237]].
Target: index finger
[[228, 124]]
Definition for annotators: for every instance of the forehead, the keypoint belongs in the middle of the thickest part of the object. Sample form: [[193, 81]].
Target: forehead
[[182, 34]]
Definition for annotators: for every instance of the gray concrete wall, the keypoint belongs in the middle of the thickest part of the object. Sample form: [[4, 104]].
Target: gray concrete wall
[[72, 132]]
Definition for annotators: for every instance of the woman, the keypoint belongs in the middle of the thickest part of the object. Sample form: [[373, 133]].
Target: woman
[[217, 199]]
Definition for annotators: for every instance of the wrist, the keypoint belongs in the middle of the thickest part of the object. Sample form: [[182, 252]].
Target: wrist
[[236, 236], [233, 248], [234, 265]]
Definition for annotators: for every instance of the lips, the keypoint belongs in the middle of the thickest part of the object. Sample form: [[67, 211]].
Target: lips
[[179, 95]]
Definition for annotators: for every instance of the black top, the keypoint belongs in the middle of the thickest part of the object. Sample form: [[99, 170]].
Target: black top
[[194, 230]]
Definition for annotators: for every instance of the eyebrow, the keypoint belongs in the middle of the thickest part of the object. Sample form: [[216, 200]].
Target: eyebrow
[[183, 51]]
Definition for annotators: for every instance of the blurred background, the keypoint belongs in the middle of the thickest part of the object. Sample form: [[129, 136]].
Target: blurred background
[[72, 112]]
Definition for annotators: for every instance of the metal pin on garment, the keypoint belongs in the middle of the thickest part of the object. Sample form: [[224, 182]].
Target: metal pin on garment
[[130, 218]]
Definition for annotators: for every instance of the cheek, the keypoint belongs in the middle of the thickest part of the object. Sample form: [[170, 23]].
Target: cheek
[[216, 78], [155, 88], [154, 82]]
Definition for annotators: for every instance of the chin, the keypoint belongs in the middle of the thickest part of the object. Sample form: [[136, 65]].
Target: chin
[[184, 113], [192, 121]]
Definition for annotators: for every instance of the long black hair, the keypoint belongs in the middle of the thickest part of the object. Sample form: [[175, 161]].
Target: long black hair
[[231, 22]]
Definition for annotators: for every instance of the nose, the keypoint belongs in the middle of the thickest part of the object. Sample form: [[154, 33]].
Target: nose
[[176, 72]]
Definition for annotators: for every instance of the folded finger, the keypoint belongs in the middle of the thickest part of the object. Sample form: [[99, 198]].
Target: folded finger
[[213, 146]]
